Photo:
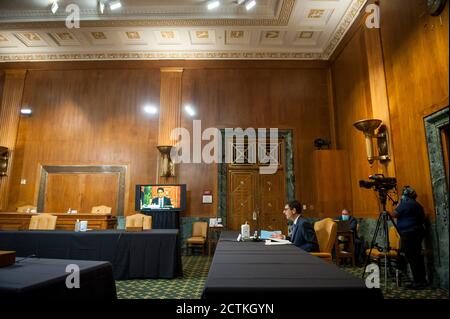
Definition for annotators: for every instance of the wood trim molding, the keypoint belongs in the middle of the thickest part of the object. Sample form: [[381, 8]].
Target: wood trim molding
[[45, 170], [11, 102]]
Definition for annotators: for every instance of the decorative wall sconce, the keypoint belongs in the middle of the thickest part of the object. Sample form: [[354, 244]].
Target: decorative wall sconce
[[4, 157], [368, 127], [166, 166]]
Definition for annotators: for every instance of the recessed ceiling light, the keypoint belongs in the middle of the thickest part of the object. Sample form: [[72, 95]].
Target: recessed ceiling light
[[55, 6], [189, 110], [115, 5], [150, 109], [26, 111], [213, 4], [250, 4], [101, 5]]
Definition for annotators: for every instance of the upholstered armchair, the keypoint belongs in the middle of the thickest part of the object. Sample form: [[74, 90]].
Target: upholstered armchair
[[43, 222], [139, 220], [199, 234], [326, 230], [101, 210]]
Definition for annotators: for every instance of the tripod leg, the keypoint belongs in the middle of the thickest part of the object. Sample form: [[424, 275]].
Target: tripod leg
[[386, 249], [372, 244]]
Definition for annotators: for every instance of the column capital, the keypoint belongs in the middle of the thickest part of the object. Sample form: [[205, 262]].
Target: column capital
[[171, 69], [15, 72]]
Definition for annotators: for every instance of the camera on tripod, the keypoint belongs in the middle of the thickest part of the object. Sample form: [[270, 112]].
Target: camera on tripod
[[379, 182]]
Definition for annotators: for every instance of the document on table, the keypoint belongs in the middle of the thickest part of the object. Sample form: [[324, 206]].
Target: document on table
[[276, 241]]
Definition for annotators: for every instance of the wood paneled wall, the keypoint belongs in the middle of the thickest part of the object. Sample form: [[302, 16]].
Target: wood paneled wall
[[9, 121], [398, 73], [416, 58], [86, 117], [294, 99], [91, 113], [352, 103]]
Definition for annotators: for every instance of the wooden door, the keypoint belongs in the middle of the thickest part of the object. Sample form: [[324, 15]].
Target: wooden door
[[250, 192], [242, 199], [272, 201]]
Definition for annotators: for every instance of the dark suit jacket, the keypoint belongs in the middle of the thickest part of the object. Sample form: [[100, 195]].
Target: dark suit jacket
[[166, 201], [304, 236]]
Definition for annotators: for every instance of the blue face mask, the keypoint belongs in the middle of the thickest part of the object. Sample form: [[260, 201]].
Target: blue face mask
[[345, 217]]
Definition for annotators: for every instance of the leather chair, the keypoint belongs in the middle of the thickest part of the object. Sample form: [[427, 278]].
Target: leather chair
[[326, 230], [199, 234], [101, 210], [43, 222], [26, 208], [139, 220]]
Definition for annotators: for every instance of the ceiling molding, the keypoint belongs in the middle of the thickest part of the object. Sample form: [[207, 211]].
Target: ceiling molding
[[281, 20], [306, 30], [212, 55]]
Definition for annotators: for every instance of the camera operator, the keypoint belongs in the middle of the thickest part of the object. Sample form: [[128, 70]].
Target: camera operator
[[410, 222]]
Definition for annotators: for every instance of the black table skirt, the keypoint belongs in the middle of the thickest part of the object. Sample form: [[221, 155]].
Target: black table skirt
[[252, 269], [150, 254], [46, 279], [164, 219]]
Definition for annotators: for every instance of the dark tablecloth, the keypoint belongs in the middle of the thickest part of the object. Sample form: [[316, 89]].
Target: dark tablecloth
[[46, 279], [252, 269], [149, 254], [164, 219]]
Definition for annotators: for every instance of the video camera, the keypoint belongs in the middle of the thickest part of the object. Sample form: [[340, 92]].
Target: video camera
[[379, 182]]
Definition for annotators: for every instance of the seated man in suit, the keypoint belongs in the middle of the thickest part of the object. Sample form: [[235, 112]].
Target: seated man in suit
[[161, 200], [302, 234], [346, 215], [358, 243]]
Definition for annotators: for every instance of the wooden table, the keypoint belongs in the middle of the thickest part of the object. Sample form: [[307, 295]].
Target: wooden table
[[21, 221]]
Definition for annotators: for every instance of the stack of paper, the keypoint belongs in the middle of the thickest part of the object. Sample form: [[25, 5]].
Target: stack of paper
[[275, 241]]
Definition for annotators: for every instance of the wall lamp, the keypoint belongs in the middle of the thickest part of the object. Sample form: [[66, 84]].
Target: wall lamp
[[4, 156], [166, 165], [368, 127]]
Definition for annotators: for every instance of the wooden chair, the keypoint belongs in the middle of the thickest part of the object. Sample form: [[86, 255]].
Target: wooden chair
[[138, 220], [326, 235], [43, 222], [26, 208], [198, 238], [101, 210]]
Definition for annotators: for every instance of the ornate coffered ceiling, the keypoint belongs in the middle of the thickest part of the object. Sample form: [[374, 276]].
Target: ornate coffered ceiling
[[175, 29]]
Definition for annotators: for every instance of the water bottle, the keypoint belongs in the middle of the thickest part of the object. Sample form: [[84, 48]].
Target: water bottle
[[245, 230]]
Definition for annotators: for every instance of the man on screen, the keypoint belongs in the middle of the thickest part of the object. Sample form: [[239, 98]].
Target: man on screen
[[162, 201]]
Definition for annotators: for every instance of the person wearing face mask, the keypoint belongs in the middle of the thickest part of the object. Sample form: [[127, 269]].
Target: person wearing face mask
[[346, 215], [358, 243], [411, 226]]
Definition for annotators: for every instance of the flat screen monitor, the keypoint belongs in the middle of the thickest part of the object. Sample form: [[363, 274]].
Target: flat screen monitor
[[160, 197]]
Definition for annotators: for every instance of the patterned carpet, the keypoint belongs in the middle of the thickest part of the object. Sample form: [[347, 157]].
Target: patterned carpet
[[190, 286], [196, 268], [394, 292]]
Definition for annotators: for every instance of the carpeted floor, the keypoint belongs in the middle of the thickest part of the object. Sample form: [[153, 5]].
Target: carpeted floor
[[196, 270]]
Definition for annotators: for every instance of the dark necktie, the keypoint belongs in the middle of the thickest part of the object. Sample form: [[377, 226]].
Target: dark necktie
[[294, 232]]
